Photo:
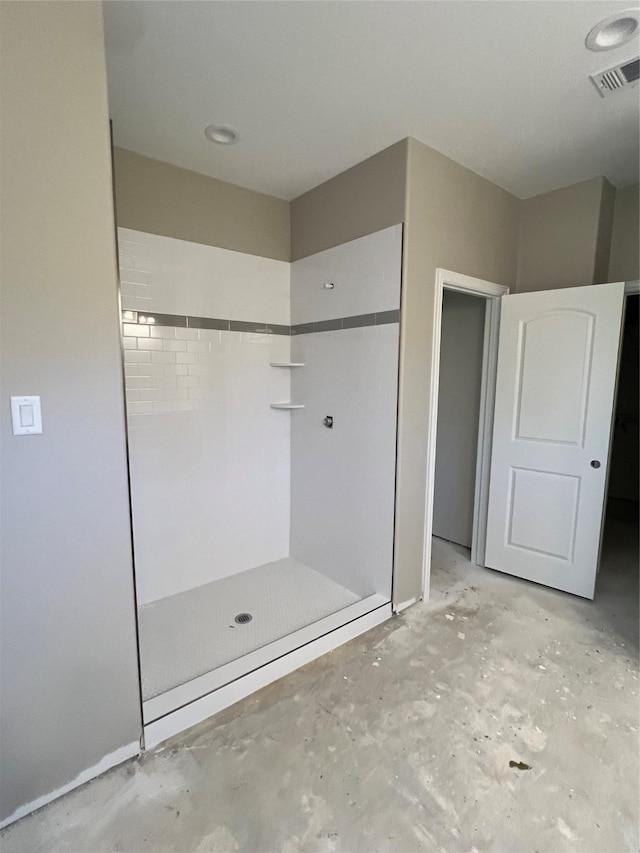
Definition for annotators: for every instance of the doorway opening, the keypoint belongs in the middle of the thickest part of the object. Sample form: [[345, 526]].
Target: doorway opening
[[463, 370], [459, 395], [617, 580]]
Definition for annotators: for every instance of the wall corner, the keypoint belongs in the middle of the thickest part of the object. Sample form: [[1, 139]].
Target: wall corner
[[605, 232]]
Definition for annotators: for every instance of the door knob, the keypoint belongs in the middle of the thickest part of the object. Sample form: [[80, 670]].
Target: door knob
[[595, 463]]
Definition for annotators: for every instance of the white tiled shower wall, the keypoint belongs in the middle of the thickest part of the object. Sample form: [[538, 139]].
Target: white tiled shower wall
[[365, 273], [343, 479], [210, 471], [177, 277], [213, 467]]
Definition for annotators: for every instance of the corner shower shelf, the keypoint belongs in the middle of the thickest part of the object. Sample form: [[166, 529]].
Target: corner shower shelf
[[286, 363], [287, 405]]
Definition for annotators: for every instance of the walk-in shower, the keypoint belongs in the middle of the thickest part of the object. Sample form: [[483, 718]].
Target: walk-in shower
[[261, 408]]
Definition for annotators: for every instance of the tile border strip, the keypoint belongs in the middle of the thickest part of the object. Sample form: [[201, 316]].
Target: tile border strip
[[380, 318], [184, 321]]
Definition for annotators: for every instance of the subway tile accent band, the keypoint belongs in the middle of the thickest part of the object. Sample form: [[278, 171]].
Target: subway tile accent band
[[260, 328], [379, 319], [184, 321]]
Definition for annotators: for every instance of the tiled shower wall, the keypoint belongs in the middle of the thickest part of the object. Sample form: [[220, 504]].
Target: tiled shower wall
[[221, 482], [343, 478], [210, 472], [178, 277]]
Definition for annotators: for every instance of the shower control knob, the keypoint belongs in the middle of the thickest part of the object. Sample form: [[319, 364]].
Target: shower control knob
[[328, 422]]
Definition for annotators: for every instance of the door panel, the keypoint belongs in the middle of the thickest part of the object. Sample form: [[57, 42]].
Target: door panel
[[545, 412], [557, 363]]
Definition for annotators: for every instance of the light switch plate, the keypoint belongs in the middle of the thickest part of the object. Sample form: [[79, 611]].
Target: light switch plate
[[26, 416]]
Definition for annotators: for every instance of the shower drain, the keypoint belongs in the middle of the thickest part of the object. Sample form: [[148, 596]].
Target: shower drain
[[243, 618]]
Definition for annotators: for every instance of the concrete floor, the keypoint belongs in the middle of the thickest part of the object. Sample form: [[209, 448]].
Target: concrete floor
[[402, 740]]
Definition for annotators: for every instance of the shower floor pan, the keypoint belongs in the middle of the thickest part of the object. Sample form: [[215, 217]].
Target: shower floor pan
[[191, 643]]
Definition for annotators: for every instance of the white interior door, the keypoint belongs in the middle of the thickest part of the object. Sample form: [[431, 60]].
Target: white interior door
[[555, 386]]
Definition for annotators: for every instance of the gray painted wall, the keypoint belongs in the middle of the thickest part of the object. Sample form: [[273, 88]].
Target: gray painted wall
[[458, 221], [366, 198], [624, 262], [68, 676], [458, 413], [565, 236], [160, 198]]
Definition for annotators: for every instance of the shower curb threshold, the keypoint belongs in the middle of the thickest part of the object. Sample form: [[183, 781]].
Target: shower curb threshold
[[191, 703]]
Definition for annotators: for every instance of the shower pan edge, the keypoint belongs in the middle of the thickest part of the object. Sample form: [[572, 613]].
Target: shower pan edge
[[200, 708]]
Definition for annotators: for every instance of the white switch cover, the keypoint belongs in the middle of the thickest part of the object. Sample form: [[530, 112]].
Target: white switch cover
[[26, 416]]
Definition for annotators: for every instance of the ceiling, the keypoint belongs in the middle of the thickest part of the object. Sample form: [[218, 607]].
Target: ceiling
[[314, 87]]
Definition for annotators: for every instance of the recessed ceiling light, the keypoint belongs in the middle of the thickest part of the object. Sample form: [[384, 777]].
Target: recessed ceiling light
[[221, 135], [614, 31]]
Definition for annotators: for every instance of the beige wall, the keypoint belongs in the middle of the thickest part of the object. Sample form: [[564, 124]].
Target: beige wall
[[624, 262], [360, 201], [69, 682], [564, 237], [461, 222], [163, 199]]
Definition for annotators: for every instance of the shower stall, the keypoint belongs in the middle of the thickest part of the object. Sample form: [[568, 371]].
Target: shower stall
[[261, 411]]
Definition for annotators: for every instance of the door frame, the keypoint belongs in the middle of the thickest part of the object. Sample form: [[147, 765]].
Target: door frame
[[491, 292]]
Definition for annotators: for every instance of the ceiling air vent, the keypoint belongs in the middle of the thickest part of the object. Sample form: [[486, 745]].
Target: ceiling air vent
[[619, 77]]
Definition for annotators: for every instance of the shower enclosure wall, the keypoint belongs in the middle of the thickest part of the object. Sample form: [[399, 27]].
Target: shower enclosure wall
[[261, 406]]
